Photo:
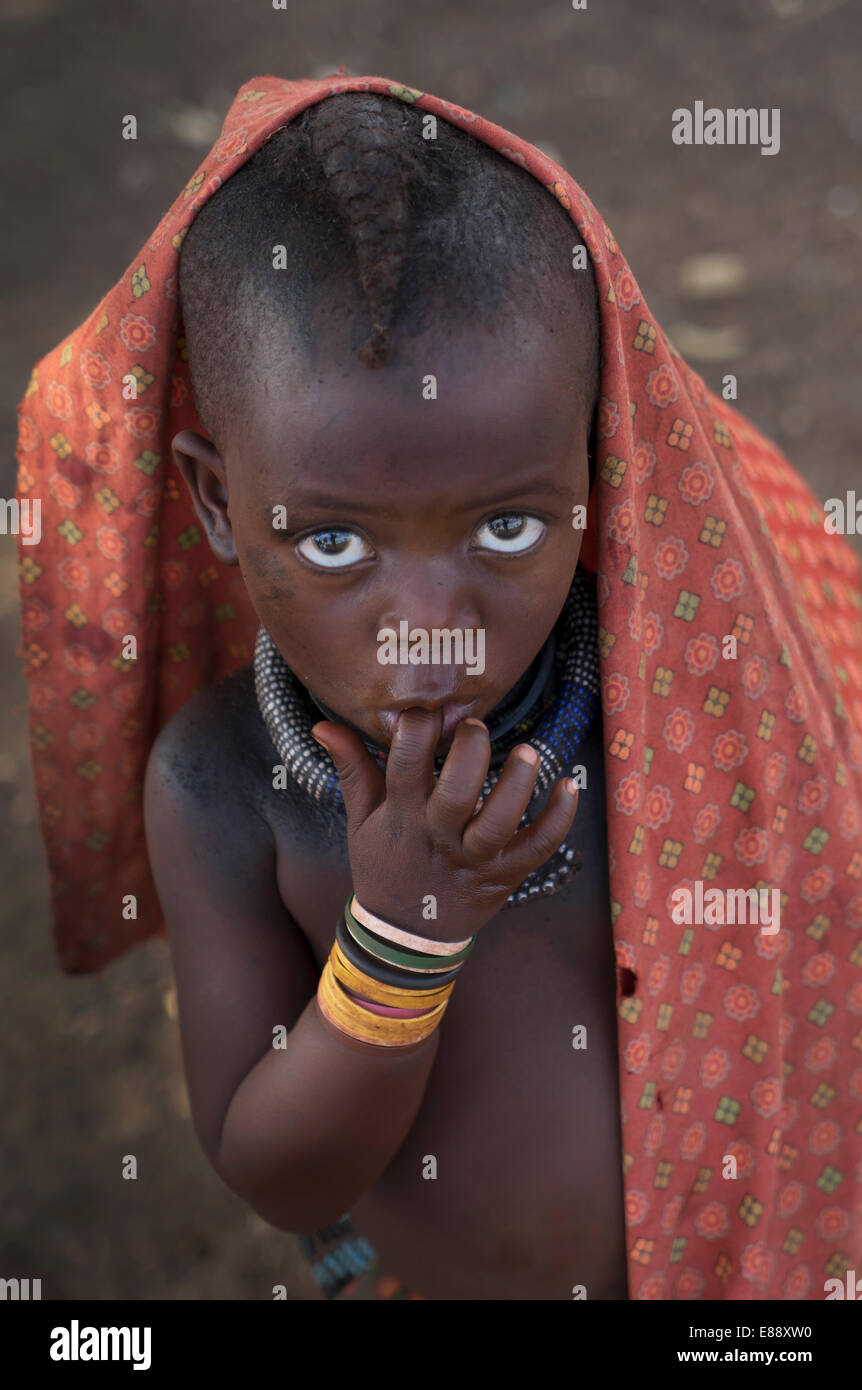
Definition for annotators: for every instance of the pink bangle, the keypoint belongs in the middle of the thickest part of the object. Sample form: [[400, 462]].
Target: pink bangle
[[387, 1010], [398, 937]]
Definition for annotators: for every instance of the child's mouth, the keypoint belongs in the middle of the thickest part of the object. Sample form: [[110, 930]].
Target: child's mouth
[[452, 714]]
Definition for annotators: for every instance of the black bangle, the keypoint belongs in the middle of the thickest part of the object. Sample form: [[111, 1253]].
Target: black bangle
[[387, 974]]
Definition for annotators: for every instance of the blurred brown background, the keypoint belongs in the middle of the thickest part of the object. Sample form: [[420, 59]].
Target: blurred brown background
[[750, 262]]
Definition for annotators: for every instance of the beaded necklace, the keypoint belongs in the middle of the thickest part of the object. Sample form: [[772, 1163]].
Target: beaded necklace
[[552, 707]]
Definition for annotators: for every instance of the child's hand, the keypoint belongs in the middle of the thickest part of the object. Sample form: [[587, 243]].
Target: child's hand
[[412, 835]]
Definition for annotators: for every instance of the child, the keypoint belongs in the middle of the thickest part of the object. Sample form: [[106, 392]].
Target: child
[[401, 378]]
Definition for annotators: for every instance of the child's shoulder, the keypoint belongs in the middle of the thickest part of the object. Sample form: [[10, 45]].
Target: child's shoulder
[[215, 760], [216, 745]]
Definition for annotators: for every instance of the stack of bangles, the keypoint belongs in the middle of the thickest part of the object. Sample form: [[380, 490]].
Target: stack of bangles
[[387, 986]]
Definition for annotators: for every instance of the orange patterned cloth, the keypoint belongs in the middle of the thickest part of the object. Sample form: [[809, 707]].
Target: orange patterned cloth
[[734, 772]]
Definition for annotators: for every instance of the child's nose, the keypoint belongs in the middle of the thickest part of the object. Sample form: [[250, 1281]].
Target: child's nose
[[437, 594]]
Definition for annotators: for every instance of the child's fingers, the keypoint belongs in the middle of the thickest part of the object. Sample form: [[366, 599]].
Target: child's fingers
[[359, 776], [535, 844], [453, 800], [492, 829], [410, 765]]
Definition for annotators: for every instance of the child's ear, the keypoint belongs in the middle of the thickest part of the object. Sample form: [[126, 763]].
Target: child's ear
[[205, 477]]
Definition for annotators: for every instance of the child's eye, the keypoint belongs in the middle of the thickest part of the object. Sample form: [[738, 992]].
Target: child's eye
[[513, 532], [334, 549]]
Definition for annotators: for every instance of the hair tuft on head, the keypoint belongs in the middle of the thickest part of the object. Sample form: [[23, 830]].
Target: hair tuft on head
[[397, 231]]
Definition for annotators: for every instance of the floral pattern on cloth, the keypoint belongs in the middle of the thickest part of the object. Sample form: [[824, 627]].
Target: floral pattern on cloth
[[737, 773]]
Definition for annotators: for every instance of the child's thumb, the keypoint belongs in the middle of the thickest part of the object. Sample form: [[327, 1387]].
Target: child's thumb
[[360, 778]]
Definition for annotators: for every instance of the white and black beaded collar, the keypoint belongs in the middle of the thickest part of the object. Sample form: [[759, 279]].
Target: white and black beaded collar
[[554, 714]]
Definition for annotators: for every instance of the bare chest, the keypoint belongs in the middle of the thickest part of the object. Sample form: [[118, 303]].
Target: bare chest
[[509, 1183]]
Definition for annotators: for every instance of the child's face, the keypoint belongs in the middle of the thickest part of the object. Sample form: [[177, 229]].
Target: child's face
[[396, 511]]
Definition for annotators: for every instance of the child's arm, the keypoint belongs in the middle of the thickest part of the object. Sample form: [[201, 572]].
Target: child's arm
[[302, 1132], [288, 1130]]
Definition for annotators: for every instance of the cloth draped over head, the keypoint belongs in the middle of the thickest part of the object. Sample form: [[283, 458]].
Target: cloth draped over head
[[731, 661]]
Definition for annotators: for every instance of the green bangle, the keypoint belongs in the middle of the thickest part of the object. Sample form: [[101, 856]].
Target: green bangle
[[382, 972], [409, 960]]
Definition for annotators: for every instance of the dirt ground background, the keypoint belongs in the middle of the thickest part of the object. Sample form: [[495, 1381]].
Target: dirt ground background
[[89, 1065]]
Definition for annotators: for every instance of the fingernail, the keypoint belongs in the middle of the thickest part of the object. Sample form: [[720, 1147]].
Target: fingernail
[[571, 786], [471, 720], [528, 754]]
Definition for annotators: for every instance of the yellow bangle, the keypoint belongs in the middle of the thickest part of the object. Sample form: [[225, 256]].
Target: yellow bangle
[[348, 975], [350, 1018]]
